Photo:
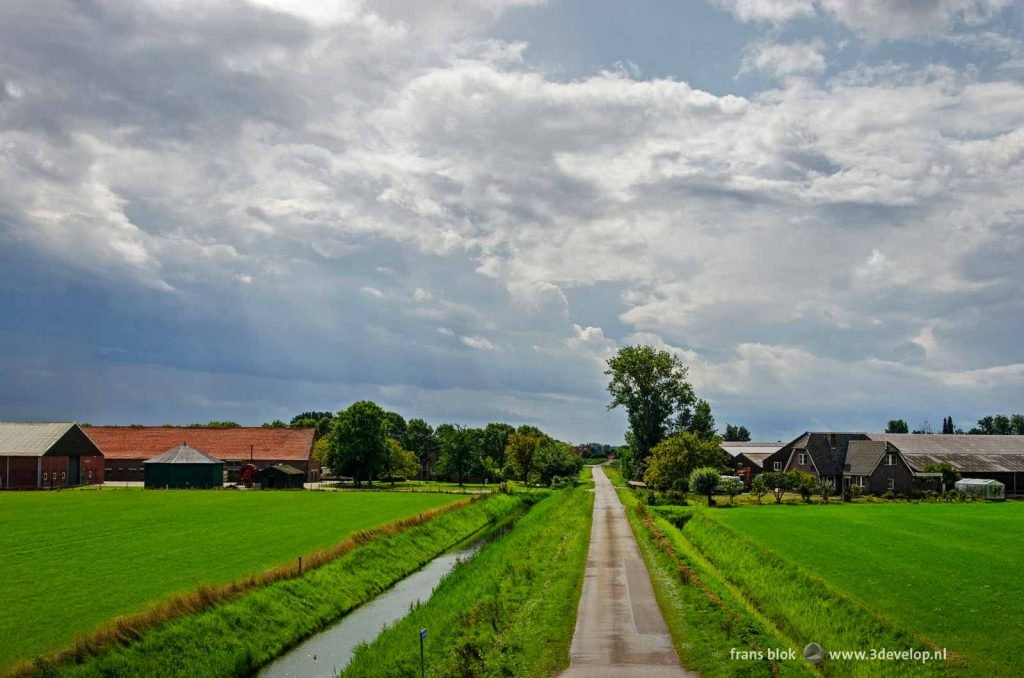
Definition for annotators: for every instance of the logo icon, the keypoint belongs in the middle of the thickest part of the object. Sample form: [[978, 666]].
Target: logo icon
[[813, 653]]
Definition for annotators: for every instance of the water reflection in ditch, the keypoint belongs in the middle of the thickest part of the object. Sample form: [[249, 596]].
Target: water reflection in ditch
[[329, 651]]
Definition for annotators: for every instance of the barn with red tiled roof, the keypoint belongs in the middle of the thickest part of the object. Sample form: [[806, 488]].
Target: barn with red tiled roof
[[125, 448]]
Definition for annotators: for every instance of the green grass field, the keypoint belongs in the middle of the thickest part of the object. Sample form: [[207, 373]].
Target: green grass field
[[949, 572], [73, 560]]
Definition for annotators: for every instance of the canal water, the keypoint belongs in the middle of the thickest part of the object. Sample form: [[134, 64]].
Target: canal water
[[325, 654]]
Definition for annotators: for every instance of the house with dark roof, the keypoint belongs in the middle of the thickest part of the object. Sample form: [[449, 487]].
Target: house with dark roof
[[998, 458], [876, 467], [47, 455], [879, 462], [126, 448]]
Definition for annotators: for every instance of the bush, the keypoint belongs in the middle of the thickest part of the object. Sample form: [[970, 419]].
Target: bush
[[758, 487], [561, 482], [704, 480], [889, 495], [803, 483], [777, 483]]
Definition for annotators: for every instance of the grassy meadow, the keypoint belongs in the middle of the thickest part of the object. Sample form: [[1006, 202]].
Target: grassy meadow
[[239, 635], [950, 573], [510, 611], [73, 560]]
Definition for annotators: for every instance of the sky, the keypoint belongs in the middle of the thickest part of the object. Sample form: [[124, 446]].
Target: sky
[[240, 210]]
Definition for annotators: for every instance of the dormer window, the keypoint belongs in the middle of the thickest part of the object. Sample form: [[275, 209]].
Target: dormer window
[[778, 466], [890, 459], [802, 459]]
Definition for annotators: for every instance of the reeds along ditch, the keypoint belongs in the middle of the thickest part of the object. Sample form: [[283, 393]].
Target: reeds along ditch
[[128, 629]]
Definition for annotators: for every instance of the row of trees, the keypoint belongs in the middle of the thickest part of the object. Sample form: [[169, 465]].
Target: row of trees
[[671, 432], [368, 443], [993, 425]]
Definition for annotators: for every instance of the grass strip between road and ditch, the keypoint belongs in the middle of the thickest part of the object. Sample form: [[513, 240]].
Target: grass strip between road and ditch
[[510, 611], [787, 602], [706, 617], [235, 629]]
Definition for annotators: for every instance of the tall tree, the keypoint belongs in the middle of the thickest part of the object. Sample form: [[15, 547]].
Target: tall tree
[[460, 451], [395, 427], [702, 422], [521, 453], [419, 437], [357, 439], [897, 426], [495, 438], [651, 385], [1017, 424], [736, 434]]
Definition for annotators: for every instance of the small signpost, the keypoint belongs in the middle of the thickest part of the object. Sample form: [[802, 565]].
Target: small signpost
[[423, 669]]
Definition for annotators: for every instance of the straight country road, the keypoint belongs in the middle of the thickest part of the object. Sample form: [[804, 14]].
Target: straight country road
[[619, 629]]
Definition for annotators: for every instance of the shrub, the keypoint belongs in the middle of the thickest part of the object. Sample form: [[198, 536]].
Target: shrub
[[703, 481], [803, 483], [758, 487], [888, 495], [826, 488], [732, 487], [777, 483]]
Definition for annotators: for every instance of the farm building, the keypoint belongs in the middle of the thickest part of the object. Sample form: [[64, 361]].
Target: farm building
[[126, 448], [280, 477], [183, 467], [37, 456], [985, 457], [748, 457], [879, 462]]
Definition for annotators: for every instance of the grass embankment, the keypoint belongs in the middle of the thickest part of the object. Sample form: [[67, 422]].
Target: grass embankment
[[241, 632], [74, 560], [510, 611], [948, 571], [614, 475], [706, 616], [785, 603]]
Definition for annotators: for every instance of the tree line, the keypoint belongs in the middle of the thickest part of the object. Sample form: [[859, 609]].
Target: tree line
[[992, 425], [368, 443]]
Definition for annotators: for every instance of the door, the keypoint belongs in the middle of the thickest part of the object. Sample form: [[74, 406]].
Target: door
[[74, 470]]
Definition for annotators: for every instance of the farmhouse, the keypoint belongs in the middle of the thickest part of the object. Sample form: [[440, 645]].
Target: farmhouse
[[36, 456], [126, 448], [879, 462], [183, 467]]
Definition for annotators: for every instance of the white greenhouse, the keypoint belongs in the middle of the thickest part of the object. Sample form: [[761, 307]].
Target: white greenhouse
[[982, 487]]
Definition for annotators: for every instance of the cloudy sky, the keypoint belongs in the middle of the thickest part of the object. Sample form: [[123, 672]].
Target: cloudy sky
[[242, 209]]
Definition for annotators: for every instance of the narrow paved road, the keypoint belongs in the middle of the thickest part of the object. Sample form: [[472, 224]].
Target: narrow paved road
[[619, 629]]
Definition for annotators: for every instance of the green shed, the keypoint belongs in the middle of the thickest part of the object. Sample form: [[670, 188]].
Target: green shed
[[183, 467]]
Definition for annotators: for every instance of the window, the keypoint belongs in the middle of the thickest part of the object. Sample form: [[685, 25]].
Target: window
[[860, 481], [778, 466], [45, 477], [90, 475], [802, 459], [63, 475], [890, 460], [892, 484]]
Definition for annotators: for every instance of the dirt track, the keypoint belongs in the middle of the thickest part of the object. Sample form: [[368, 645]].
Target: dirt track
[[619, 628]]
